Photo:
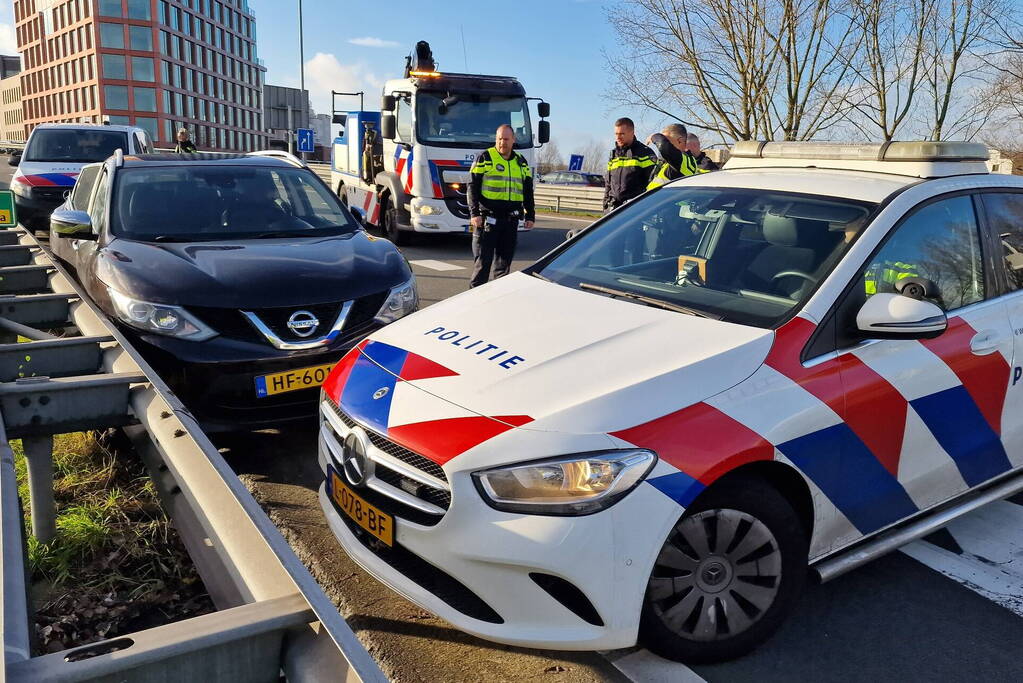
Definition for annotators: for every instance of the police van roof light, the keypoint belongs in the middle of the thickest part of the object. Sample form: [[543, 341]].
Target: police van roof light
[[424, 74], [883, 151]]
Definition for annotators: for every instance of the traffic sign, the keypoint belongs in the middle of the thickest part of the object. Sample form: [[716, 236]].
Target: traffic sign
[[575, 162], [305, 140], [8, 211]]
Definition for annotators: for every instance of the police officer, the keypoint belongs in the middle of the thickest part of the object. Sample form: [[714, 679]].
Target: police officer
[[500, 193], [704, 164], [676, 161], [185, 144], [629, 166]]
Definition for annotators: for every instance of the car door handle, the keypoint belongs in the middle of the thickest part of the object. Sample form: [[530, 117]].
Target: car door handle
[[985, 342]]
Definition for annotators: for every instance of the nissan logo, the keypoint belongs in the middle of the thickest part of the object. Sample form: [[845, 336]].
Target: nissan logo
[[303, 323], [354, 461]]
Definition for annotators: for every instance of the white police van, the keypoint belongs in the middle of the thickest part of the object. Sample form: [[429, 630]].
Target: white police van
[[805, 360]]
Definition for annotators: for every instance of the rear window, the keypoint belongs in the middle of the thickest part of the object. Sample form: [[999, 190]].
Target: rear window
[[71, 145], [196, 203]]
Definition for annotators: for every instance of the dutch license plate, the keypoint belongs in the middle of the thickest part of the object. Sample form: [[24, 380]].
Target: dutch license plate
[[292, 380], [376, 522]]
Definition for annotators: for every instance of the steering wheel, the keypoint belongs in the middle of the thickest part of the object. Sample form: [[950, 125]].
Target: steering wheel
[[795, 273]]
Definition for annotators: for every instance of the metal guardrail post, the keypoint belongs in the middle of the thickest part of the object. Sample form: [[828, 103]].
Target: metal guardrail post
[[39, 463], [14, 599]]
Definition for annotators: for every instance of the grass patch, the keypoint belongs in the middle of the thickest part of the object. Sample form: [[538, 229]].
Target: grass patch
[[116, 564]]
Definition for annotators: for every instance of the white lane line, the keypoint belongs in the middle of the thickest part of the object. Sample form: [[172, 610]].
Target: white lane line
[[544, 216], [992, 559], [436, 265], [643, 666]]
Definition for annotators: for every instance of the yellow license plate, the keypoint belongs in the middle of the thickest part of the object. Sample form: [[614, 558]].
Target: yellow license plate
[[292, 380], [376, 522]]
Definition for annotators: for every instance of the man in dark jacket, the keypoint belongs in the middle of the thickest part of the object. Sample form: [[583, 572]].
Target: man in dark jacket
[[628, 168], [675, 160], [703, 162], [500, 193], [185, 144]]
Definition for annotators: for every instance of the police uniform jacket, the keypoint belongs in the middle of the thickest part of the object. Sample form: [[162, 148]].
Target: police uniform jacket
[[628, 170], [489, 164]]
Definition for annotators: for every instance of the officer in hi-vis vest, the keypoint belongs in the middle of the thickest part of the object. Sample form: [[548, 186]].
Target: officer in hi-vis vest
[[500, 193]]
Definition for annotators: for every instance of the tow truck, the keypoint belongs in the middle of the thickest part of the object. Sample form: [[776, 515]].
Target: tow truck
[[405, 169]]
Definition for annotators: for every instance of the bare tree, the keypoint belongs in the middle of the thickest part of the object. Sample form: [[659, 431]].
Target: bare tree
[[737, 68], [549, 158]]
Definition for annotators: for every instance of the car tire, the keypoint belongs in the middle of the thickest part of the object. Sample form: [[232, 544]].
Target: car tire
[[342, 195], [727, 576], [391, 230]]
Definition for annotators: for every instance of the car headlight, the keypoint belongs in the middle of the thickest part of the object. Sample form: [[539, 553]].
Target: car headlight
[[20, 187], [402, 300], [572, 485], [172, 321], [427, 210]]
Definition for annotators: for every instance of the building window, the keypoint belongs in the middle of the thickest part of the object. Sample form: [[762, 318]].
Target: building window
[[116, 96], [110, 8], [111, 35], [145, 99], [142, 69], [168, 130], [113, 66], [119, 120], [139, 9], [140, 38], [148, 124]]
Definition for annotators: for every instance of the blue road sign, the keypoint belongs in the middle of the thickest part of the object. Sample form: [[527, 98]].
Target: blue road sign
[[305, 140], [575, 162]]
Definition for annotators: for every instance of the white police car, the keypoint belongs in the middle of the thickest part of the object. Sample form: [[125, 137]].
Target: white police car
[[807, 359]]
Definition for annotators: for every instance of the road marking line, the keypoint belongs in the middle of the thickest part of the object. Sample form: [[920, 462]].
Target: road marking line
[[436, 265], [645, 666], [992, 560], [544, 216]]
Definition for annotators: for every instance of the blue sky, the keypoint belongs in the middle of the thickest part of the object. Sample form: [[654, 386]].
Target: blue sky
[[553, 47]]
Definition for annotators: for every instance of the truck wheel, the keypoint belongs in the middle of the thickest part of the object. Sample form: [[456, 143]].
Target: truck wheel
[[391, 231], [342, 195], [728, 574]]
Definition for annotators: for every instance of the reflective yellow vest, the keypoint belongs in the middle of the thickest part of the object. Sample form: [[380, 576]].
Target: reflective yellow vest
[[503, 179], [889, 272]]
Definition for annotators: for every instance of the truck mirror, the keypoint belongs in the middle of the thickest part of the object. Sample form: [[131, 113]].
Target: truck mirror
[[543, 133], [450, 100], [387, 126], [340, 119], [544, 109], [387, 103]]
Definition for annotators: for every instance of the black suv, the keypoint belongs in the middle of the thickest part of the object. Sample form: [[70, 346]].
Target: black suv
[[242, 279]]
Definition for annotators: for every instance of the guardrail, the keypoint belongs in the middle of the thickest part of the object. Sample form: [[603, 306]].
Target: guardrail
[[568, 198], [272, 615]]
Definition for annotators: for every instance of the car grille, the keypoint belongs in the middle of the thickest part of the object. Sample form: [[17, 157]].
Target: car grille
[[50, 194], [230, 322], [398, 487]]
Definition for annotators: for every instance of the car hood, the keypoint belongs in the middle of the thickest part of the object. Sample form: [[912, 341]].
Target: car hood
[[47, 174], [253, 273], [542, 356]]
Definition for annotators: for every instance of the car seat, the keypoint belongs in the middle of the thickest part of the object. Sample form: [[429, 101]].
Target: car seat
[[786, 250]]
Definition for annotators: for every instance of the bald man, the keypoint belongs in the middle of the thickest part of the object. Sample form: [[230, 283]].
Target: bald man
[[500, 194]]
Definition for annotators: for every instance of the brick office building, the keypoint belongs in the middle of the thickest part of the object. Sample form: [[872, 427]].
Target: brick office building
[[157, 64]]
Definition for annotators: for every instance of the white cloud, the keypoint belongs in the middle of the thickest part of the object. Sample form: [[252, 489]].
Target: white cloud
[[8, 42], [369, 41], [325, 73]]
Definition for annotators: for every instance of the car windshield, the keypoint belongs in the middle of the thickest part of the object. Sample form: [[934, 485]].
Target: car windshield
[[191, 203], [70, 145], [472, 120], [742, 255]]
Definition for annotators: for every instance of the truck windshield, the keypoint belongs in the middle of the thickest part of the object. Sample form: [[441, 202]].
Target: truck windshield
[[472, 120], [741, 255], [191, 203], [77, 146]]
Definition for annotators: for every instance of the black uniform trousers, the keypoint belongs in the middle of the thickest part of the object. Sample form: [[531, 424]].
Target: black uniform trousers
[[494, 247]]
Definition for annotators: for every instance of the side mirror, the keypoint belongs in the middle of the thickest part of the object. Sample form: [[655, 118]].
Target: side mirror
[[72, 224], [357, 215], [894, 316], [543, 133], [450, 100], [387, 103], [543, 109], [14, 160], [340, 119], [388, 126]]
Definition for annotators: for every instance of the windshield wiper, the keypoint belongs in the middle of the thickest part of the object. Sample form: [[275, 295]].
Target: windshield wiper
[[538, 274], [168, 238], [281, 233], [649, 301]]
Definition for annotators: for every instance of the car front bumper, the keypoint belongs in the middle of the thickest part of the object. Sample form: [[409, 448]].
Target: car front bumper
[[482, 569]]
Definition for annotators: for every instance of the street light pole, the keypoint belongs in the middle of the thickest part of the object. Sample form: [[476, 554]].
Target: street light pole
[[301, 59]]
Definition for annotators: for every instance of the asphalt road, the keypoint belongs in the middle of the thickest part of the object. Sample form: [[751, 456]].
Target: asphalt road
[[949, 608]]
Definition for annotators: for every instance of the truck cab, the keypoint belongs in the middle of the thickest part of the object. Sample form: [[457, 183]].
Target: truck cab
[[406, 168]]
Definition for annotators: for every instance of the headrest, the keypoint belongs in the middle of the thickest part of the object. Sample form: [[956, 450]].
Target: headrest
[[781, 230]]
